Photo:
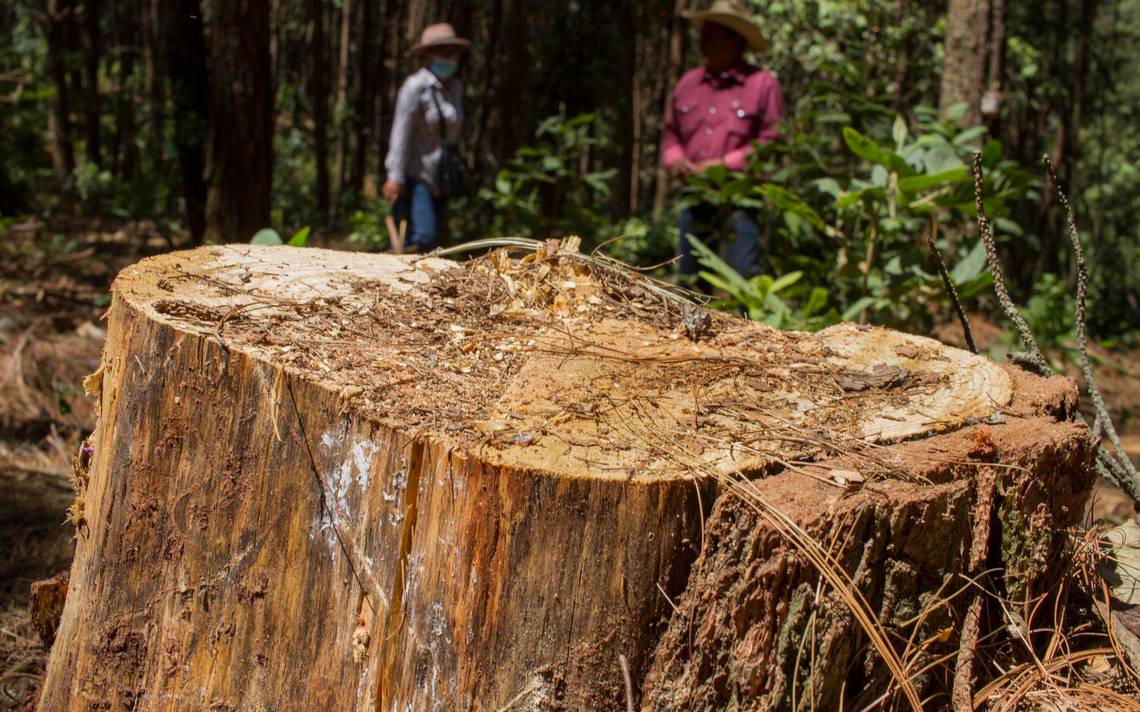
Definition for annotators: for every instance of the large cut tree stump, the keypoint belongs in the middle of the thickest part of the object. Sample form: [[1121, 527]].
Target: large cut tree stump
[[329, 481]]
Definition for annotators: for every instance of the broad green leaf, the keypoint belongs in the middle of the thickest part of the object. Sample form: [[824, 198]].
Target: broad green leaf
[[969, 135], [972, 265], [785, 200], [955, 112], [300, 237], [854, 310], [862, 146], [913, 184], [991, 153], [828, 186], [785, 281], [1008, 226], [817, 300], [266, 236]]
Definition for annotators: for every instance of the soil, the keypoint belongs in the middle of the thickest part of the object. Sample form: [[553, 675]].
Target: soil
[[53, 290]]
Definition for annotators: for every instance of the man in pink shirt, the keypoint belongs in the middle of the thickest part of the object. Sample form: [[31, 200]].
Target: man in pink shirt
[[718, 113]]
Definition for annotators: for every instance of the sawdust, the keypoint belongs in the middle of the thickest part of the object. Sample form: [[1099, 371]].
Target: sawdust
[[553, 361]]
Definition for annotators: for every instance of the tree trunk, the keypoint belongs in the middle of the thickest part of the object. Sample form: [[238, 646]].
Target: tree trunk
[[964, 64], [332, 481], [59, 113], [124, 148], [190, 94], [93, 55], [365, 111], [239, 154], [676, 55], [341, 107], [318, 96], [756, 622], [152, 34]]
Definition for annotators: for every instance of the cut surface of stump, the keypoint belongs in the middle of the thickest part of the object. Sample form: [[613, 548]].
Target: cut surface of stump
[[326, 480]]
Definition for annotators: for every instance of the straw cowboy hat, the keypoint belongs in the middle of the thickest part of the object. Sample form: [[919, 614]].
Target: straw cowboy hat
[[733, 15], [438, 35]]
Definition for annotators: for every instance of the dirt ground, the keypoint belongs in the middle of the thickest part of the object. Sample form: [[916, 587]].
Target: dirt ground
[[53, 290]]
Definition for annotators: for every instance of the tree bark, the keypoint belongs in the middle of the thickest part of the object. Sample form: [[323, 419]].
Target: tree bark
[[93, 50], [239, 153], [351, 482], [964, 65], [341, 110], [155, 74], [318, 98], [756, 622], [676, 55], [59, 112], [365, 112], [190, 94]]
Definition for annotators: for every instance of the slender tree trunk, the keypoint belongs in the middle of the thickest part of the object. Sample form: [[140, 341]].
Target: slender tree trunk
[[676, 54], [59, 114], [628, 120], [365, 98], [1077, 88], [93, 47], [341, 110], [124, 149], [239, 154], [996, 70], [155, 96], [190, 93], [964, 65], [318, 92]]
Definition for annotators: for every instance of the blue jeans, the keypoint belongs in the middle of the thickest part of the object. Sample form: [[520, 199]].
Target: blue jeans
[[703, 221], [424, 213]]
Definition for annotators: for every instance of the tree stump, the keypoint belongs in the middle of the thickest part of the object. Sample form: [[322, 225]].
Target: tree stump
[[326, 480]]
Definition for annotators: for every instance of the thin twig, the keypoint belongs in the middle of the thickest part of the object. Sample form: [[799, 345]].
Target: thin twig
[[628, 683], [1031, 359], [952, 291]]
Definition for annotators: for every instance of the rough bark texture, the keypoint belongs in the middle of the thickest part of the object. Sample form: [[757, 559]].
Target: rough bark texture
[[964, 66], [239, 152], [189, 96], [755, 630], [333, 481]]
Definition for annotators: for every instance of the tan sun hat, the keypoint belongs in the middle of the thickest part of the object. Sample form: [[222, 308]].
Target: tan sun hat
[[438, 35], [735, 16]]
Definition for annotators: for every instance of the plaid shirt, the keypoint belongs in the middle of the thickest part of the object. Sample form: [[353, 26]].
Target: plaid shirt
[[721, 116], [416, 143]]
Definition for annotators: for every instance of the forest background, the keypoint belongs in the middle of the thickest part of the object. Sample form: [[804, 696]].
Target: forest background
[[208, 120]]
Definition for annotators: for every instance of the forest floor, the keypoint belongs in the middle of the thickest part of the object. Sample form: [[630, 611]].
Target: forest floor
[[53, 292]]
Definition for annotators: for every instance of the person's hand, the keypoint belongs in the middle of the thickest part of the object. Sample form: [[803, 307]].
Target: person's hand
[[392, 191], [705, 165], [682, 167]]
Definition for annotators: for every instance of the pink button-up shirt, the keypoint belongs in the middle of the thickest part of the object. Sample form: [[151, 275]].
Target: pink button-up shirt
[[721, 116]]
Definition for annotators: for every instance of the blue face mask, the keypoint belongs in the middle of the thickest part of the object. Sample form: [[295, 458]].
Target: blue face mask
[[443, 68]]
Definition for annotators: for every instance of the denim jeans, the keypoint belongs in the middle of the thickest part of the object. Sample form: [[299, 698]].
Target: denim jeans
[[702, 221], [424, 213]]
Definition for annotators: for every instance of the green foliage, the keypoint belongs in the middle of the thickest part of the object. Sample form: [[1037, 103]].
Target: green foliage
[[269, 236], [368, 230], [850, 208], [543, 190], [764, 298], [641, 241]]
